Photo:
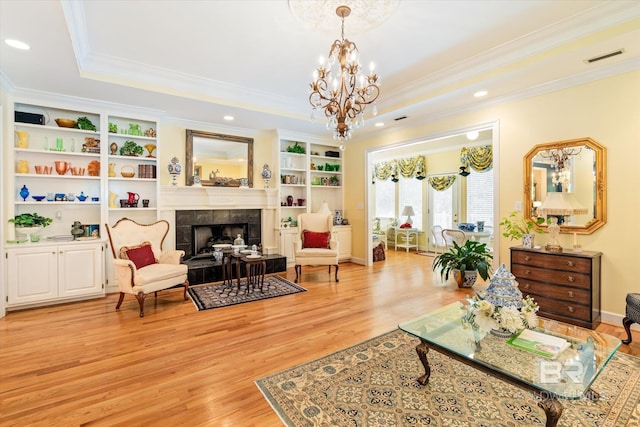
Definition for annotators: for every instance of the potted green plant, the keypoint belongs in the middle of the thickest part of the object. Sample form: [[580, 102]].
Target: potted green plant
[[30, 224], [130, 148], [516, 227], [465, 262], [296, 148]]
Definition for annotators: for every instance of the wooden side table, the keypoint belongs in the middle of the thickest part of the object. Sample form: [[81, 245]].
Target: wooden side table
[[229, 258], [255, 269]]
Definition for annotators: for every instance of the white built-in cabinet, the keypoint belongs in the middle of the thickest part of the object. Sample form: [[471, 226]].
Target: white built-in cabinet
[[342, 233], [98, 171], [307, 179], [45, 273], [287, 237]]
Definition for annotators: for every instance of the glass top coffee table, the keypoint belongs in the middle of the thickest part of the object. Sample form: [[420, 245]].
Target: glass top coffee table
[[568, 376]]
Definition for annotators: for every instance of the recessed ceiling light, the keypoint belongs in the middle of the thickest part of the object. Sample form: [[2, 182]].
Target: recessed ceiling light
[[379, 124], [480, 93], [17, 44], [228, 118]]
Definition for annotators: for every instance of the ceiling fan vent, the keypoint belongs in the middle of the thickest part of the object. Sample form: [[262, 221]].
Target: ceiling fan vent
[[397, 119], [605, 56]]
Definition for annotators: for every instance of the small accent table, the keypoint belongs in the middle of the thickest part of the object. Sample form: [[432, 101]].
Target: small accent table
[[569, 376], [255, 269], [408, 234], [229, 259]]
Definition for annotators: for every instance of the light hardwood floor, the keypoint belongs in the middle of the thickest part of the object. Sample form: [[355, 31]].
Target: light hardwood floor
[[86, 364]]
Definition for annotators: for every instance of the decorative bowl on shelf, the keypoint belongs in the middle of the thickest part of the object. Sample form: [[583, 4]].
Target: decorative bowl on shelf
[[66, 123], [38, 198]]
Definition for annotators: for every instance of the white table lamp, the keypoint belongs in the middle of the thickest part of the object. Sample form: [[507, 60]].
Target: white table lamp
[[408, 211]]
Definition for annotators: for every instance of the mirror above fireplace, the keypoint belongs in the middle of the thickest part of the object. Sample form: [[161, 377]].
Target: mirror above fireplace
[[218, 160]]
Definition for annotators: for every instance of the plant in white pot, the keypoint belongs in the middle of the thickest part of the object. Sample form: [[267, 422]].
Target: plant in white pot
[[465, 262], [29, 225], [516, 227]]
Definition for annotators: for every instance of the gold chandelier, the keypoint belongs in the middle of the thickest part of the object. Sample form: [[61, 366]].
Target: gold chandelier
[[344, 99]]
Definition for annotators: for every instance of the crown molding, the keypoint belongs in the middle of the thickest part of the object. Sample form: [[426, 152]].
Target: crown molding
[[594, 20]]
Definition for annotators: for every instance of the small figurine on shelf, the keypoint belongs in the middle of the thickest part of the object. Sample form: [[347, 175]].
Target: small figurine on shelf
[[174, 169], [77, 230]]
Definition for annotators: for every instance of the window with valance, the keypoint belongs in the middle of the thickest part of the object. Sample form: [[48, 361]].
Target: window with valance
[[441, 182], [411, 167], [480, 158]]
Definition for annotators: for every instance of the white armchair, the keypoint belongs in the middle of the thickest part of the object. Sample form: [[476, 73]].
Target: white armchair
[[315, 246], [140, 264]]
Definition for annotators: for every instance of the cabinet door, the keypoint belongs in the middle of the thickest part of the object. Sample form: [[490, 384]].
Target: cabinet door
[[343, 236], [80, 269], [32, 275], [287, 237]]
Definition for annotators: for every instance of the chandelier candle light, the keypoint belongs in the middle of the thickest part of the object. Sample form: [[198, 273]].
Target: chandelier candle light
[[344, 97]]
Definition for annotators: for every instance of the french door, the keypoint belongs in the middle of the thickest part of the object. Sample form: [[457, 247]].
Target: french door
[[443, 210]]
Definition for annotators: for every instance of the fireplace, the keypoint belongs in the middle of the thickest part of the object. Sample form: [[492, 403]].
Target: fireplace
[[197, 230], [204, 237]]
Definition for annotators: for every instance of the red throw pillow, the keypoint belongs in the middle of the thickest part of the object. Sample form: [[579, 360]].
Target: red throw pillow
[[141, 255], [315, 239]]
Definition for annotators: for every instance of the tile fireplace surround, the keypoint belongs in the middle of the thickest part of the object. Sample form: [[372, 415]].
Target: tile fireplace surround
[[181, 198], [184, 207]]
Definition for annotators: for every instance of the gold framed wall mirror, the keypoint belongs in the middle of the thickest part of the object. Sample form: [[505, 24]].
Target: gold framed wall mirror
[[567, 180], [218, 160]]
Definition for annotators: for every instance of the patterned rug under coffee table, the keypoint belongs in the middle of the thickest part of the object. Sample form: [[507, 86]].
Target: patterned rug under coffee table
[[217, 295], [374, 384]]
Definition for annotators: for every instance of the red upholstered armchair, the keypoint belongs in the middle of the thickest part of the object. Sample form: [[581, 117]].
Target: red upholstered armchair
[[315, 246], [141, 265]]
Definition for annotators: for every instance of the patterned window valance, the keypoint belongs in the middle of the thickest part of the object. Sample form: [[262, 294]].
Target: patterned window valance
[[441, 183], [480, 159], [412, 167]]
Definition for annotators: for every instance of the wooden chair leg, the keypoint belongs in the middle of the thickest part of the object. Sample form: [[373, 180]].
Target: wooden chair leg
[[337, 266], [120, 300], [626, 322], [186, 288], [140, 297], [298, 269]]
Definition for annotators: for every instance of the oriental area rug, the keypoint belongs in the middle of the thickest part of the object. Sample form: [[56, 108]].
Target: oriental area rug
[[374, 384], [217, 295]]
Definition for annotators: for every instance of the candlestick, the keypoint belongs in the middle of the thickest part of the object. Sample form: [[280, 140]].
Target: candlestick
[[576, 246]]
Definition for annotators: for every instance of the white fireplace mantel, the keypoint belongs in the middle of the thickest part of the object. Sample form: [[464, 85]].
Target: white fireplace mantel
[[182, 197]]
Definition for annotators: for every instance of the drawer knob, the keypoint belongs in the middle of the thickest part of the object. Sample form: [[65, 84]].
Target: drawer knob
[[527, 285], [571, 279], [571, 309], [527, 272], [527, 258], [571, 294], [571, 264]]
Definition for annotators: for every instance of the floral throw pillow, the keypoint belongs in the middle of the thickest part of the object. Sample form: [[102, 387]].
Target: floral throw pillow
[[315, 239], [141, 255]]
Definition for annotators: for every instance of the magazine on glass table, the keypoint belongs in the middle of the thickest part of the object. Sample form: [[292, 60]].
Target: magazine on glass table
[[539, 343]]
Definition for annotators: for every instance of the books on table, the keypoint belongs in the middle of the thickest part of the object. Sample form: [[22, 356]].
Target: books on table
[[539, 343]]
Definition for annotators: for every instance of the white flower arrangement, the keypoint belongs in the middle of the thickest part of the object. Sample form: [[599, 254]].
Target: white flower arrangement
[[482, 316]]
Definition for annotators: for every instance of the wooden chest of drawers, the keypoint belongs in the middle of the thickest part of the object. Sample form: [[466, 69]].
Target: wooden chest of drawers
[[565, 285]]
